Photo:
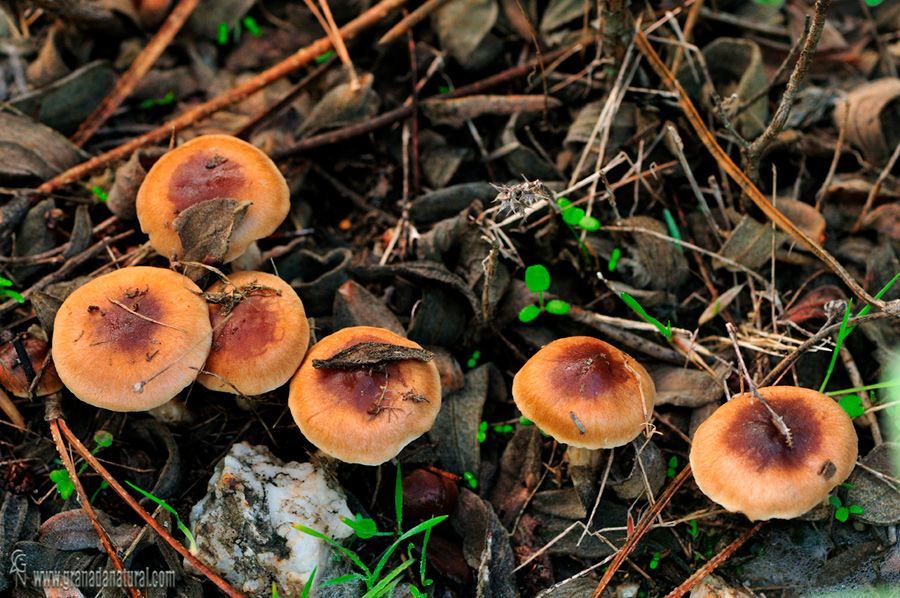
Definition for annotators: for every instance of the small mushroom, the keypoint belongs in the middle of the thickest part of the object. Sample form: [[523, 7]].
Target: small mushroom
[[212, 167], [12, 373], [132, 339], [742, 461], [363, 393], [585, 393], [260, 334]]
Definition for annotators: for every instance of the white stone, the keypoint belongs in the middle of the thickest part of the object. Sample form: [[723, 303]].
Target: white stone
[[244, 526]]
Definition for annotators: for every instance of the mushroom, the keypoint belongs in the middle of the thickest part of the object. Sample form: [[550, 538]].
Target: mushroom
[[212, 167], [12, 373], [130, 340], [260, 334], [364, 393], [742, 461], [585, 393]]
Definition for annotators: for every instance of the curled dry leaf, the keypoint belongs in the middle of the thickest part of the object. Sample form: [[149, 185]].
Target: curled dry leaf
[[873, 120], [878, 498], [720, 303], [656, 263]]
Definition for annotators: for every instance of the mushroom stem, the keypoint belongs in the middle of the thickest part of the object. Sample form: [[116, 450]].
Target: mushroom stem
[[777, 420], [584, 457]]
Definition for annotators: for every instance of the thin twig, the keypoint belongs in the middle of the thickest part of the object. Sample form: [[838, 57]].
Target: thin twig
[[111, 550], [138, 69], [776, 419], [714, 562], [873, 192], [410, 21], [640, 529], [823, 190], [754, 153], [789, 59], [75, 443], [857, 381], [142, 316]]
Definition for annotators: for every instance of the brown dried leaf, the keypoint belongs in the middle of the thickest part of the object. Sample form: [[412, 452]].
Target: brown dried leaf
[[880, 502], [812, 305], [205, 228], [68, 101], [458, 110], [462, 26], [657, 263], [354, 305], [750, 244], [29, 150], [805, 216], [873, 120], [885, 219], [342, 105]]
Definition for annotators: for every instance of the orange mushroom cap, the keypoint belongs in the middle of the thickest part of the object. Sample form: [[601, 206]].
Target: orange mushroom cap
[[132, 339], [212, 167], [12, 374], [360, 415], [258, 343], [585, 392], [741, 461]]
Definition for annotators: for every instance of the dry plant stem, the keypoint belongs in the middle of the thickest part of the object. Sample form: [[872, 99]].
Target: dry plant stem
[[70, 266], [714, 562], [753, 154], [87, 456], [823, 190], [741, 179], [111, 550], [640, 529], [791, 57], [299, 59], [689, 23], [776, 419], [410, 21], [136, 71], [857, 381], [11, 411], [873, 193]]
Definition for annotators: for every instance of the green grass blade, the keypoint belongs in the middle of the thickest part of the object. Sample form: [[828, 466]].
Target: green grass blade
[[842, 333], [633, 304]]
